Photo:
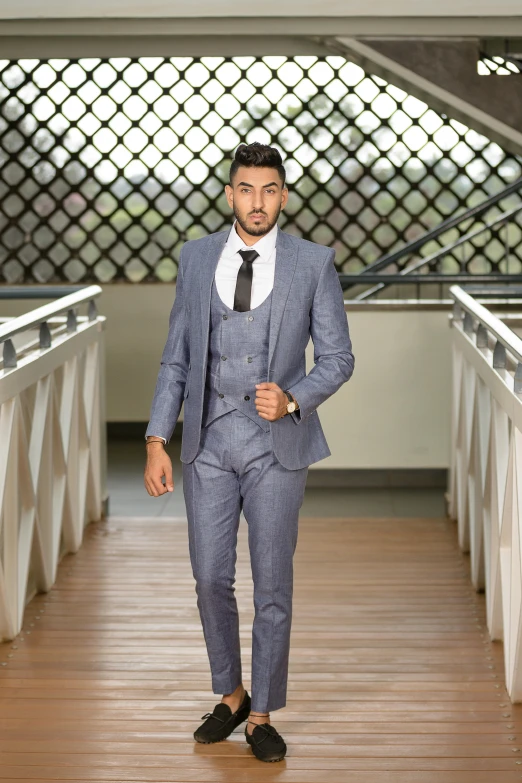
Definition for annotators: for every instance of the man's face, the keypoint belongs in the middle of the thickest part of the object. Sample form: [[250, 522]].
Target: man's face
[[256, 196]]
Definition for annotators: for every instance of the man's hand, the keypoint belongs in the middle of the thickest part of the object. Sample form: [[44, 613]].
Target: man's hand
[[158, 465], [271, 401]]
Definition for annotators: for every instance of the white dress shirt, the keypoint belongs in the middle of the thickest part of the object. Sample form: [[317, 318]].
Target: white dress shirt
[[263, 267]]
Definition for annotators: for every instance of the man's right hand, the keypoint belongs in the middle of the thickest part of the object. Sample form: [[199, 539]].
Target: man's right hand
[[158, 465]]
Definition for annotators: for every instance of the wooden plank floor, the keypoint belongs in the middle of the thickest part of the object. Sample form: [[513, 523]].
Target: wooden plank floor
[[393, 679]]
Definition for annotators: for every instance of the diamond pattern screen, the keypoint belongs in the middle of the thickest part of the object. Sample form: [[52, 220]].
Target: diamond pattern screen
[[108, 166], [500, 66]]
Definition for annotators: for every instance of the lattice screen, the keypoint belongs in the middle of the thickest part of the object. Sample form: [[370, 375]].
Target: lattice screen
[[500, 66], [108, 166]]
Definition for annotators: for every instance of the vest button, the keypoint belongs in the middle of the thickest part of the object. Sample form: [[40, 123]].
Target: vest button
[[250, 317], [247, 397], [225, 317], [250, 359], [224, 358], [221, 395]]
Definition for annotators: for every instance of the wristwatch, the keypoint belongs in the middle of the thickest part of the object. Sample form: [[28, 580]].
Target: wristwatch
[[293, 405]]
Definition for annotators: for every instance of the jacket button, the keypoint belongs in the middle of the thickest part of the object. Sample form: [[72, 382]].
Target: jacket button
[[221, 395], [247, 397], [225, 317], [224, 358], [249, 359], [250, 317]]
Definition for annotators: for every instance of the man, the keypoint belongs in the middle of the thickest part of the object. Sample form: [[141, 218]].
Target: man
[[247, 301]]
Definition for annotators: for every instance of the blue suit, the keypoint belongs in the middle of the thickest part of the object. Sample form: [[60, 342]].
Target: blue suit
[[307, 301], [233, 459]]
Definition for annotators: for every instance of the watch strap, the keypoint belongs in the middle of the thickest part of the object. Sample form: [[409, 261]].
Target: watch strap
[[291, 399]]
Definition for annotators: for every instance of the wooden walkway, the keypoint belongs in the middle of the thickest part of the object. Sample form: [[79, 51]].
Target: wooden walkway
[[393, 679]]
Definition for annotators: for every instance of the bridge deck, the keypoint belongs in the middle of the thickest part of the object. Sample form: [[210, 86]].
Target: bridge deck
[[393, 679]]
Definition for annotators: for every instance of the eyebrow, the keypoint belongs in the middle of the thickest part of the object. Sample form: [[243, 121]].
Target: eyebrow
[[251, 186]]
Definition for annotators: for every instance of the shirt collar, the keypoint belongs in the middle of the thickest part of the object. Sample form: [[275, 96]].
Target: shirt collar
[[264, 246]]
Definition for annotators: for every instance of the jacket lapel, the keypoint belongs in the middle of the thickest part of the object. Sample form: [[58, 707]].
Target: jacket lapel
[[285, 265], [216, 244]]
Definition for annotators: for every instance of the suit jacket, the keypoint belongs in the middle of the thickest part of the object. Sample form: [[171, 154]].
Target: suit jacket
[[307, 300]]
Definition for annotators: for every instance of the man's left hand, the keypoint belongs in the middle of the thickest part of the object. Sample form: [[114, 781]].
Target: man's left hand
[[271, 401]]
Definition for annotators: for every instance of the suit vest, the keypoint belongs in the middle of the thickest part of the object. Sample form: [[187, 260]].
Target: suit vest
[[237, 359]]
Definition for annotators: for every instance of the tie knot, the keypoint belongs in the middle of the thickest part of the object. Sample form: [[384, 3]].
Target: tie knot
[[248, 255]]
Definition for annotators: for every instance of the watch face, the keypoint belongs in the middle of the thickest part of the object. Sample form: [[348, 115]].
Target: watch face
[[290, 407]]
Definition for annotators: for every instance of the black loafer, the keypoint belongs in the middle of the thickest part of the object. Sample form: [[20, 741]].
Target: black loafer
[[220, 723], [266, 743]]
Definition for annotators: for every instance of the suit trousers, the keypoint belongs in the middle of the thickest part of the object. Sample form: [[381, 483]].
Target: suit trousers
[[235, 469]]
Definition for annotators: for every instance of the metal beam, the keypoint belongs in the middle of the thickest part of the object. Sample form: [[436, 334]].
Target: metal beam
[[270, 26], [49, 46]]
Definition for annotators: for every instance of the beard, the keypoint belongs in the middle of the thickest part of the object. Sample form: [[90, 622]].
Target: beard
[[258, 231]]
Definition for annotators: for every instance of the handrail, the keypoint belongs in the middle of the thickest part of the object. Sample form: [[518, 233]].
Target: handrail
[[53, 443], [42, 314], [40, 317], [443, 251], [500, 292], [486, 454], [429, 277], [38, 291], [446, 225], [490, 324]]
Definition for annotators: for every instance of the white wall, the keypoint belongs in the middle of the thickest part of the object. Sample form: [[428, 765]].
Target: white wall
[[31, 9], [394, 413]]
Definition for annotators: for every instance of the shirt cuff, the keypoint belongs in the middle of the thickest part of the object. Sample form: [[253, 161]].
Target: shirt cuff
[[151, 435]]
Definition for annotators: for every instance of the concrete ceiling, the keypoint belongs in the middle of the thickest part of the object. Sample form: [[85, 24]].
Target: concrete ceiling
[[61, 9]]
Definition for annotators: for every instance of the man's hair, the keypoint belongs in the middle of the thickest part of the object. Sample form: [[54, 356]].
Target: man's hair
[[257, 155]]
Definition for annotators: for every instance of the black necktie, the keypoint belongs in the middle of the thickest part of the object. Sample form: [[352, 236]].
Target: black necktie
[[244, 281]]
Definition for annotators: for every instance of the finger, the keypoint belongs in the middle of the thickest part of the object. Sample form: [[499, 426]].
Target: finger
[[168, 478], [267, 385], [269, 416], [266, 395], [150, 490], [157, 485], [262, 403]]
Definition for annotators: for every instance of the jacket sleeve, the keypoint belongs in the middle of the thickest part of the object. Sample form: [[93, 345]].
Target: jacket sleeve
[[172, 376], [333, 357]]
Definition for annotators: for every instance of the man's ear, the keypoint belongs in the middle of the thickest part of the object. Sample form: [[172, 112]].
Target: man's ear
[[229, 193]]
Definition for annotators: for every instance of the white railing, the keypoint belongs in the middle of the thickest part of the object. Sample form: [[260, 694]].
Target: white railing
[[485, 493], [52, 444]]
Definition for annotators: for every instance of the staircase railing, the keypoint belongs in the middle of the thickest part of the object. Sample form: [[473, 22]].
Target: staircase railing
[[376, 275], [485, 492], [52, 441]]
